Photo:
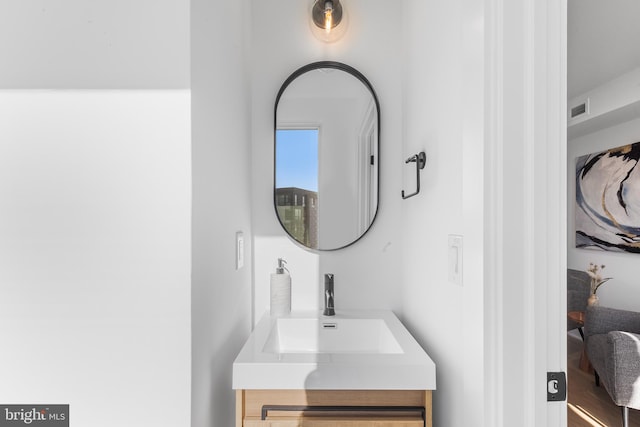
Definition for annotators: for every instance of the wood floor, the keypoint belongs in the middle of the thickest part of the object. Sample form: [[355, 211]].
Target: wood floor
[[589, 405]]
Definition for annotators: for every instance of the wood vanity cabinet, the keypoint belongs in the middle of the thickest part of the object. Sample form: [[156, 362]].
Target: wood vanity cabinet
[[333, 408]]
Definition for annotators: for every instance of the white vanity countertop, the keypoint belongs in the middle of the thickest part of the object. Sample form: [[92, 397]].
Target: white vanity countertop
[[259, 366]]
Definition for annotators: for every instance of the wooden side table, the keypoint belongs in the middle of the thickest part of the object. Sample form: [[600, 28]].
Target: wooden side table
[[578, 317]]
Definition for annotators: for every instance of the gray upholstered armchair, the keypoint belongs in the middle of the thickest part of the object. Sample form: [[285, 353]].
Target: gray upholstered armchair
[[578, 290], [612, 340]]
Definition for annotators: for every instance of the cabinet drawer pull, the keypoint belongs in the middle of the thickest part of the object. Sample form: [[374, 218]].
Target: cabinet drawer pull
[[298, 408]]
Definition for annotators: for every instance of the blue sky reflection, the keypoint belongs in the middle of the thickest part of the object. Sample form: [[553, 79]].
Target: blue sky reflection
[[297, 158]]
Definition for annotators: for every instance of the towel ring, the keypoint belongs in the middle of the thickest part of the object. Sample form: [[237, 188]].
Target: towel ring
[[420, 160]]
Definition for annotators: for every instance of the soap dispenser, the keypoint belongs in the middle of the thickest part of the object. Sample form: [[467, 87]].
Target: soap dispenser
[[280, 290]]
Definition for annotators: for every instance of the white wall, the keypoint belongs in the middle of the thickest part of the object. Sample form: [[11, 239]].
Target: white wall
[[443, 115], [95, 209], [623, 291], [133, 44], [221, 125], [367, 274], [94, 254]]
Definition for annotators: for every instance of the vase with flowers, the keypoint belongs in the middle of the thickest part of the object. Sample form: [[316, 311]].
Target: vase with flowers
[[594, 271]]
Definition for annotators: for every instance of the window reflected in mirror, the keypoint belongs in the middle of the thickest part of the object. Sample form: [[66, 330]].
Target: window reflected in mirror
[[297, 183]]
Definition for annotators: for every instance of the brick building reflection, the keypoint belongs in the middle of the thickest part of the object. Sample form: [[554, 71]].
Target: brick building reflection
[[298, 212]]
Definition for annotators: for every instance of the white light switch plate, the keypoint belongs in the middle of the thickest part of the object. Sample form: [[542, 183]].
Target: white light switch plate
[[239, 250], [455, 259]]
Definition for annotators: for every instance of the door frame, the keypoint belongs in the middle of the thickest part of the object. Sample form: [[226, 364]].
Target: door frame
[[525, 209]]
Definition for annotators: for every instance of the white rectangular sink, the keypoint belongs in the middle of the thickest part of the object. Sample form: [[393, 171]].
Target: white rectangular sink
[[314, 335], [353, 350]]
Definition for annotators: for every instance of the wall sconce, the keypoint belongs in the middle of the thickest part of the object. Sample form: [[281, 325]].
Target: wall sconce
[[328, 20]]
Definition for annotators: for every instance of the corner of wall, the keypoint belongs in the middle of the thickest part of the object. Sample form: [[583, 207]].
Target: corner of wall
[[221, 123]]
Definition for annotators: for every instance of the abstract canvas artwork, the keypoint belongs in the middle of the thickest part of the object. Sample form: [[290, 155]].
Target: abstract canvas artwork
[[608, 200]]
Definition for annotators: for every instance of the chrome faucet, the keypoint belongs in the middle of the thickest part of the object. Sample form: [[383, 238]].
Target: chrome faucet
[[328, 296]]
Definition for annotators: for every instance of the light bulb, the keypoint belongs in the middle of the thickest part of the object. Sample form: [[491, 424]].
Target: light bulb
[[328, 16], [327, 21]]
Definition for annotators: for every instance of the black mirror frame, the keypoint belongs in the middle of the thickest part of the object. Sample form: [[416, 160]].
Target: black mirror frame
[[357, 74]]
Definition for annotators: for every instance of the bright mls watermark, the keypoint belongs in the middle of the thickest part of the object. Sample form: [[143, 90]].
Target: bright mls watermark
[[34, 415]]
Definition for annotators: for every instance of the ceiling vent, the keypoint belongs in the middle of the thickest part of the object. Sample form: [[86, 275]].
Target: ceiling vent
[[580, 109]]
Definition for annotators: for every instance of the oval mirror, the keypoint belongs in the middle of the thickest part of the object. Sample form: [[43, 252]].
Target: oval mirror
[[327, 125]]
